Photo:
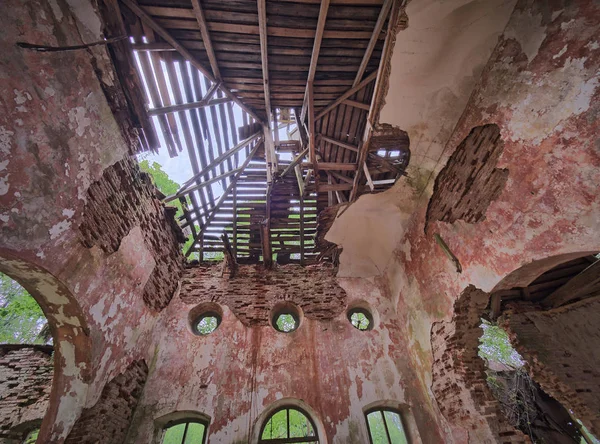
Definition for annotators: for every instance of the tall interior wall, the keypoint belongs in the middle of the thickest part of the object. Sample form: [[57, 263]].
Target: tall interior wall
[[540, 87], [243, 368], [64, 176]]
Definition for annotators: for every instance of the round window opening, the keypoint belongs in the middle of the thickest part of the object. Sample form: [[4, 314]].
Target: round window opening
[[206, 323], [360, 319], [286, 321]]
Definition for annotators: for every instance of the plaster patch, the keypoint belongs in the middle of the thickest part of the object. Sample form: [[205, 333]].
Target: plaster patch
[[78, 121], [87, 16], [4, 217], [560, 53], [3, 165], [592, 45], [21, 96], [59, 228], [526, 29], [49, 91], [4, 185], [5, 140]]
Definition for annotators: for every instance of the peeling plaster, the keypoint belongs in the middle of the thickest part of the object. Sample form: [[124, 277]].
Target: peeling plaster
[[527, 29]]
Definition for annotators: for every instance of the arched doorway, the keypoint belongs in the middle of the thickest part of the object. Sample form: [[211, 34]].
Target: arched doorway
[[70, 339]]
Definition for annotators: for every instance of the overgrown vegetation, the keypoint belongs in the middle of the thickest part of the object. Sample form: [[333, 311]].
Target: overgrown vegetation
[[168, 187], [21, 318], [496, 347]]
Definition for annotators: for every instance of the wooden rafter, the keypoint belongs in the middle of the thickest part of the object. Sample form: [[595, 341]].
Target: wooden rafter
[[218, 160], [264, 56], [371, 46], [375, 99], [199, 13], [185, 106], [184, 52], [314, 58], [347, 94], [338, 143]]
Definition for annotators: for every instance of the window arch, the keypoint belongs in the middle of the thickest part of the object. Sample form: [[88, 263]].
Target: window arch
[[386, 426], [288, 424], [185, 431]]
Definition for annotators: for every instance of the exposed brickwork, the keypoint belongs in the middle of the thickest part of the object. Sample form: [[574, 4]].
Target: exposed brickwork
[[123, 198], [470, 180], [25, 381], [254, 291], [562, 353], [459, 379], [108, 421]]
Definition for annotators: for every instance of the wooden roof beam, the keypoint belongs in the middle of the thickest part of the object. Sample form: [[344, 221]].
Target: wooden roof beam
[[264, 56], [184, 106], [220, 159], [312, 69], [376, 99], [373, 41], [347, 94], [199, 13], [338, 143], [138, 11]]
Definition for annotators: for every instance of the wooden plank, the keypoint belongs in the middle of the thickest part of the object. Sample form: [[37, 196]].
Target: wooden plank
[[199, 14], [297, 160], [183, 51], [368, 176], [327, 166], [582, 285], [221, 158], [262, 24], [347, 94], [185, 106], [312, 69], [356, 104], [312, 150], [376, 99], [376, 35], [338, 143]]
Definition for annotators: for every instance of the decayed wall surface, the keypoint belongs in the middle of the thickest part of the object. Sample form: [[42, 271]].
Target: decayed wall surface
[[25, 383], [561, 346], [58, 138], [238, 371], [541, 88]]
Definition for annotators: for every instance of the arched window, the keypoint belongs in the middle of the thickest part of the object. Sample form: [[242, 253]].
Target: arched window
[[385, 426], [289, 425], [185, 431]]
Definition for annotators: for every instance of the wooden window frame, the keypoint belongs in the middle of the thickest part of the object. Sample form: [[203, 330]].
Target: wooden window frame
[[187, 422], [381, 410], [289, 440]]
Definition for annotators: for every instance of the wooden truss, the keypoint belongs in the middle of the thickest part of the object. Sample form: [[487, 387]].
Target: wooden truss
[[224, 80]]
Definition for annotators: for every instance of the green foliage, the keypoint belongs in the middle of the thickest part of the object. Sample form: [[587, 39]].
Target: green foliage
[[194, 435], [285, 323], [207, 325], [494, 345], [277, 426], [360, 321], [167, 186], [378, 428], [31, 437], [21, 318]]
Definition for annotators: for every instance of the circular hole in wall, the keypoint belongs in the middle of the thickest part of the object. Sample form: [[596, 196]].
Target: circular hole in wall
[[286, 317], [360, 318], [205, 318]]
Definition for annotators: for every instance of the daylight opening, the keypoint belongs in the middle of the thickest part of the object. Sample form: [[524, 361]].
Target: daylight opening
[[206, 323], [360, 319], [289, 425]]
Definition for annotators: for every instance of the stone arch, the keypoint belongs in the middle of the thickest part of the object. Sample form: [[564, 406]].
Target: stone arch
[[72, 370]]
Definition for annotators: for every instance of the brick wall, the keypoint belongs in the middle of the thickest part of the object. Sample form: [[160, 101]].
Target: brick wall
[[123, 198], [459, 379], [470, 180], [25, 382], [254, 291], [109, 419], [562, 353]]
